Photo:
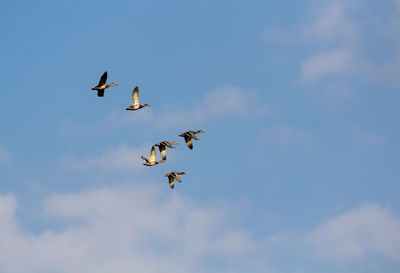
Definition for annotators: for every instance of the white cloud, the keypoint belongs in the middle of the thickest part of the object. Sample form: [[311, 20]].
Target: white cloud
[[121, 158], [324, 64], [134, 229], [4, 156], [367, 231]]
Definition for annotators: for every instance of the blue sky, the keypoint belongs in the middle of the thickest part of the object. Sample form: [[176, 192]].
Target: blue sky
[[298, 168]]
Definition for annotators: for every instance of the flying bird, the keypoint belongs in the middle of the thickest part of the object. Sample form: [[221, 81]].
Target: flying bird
[[152, 159], [161, 146], [171, 178], [102, 85], [189, 135], [135, 101]]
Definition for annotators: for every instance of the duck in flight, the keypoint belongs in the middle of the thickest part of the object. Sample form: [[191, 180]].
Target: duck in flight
[[171, 178], [135, 101], [102, 85], [151, 161], [189, 135], [161, 146]]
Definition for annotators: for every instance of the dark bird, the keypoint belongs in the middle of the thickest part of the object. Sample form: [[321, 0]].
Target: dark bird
[[189, 135], [135, 101], [161, 146], [171, 178], [102, 85], [152, 159]]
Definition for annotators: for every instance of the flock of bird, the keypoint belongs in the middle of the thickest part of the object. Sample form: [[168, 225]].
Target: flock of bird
[[151, 161]]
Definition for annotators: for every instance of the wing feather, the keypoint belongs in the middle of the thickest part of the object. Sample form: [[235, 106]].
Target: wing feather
[[188, 140], [193, 135], [152, 157], [171, 181], [103, 79], [163, 152], [169, 144], [100, 93], [135, 96], [178, 177]]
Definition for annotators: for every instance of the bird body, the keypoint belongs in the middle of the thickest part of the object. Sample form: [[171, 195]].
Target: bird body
[[172, 176], [151, 161], [189, 135], [102, 85], [135, 101]]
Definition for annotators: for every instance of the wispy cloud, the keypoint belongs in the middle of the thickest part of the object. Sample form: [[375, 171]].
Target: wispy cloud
[[371, 138], [358, 234], [331, 22], [224, 102], [124, 230], [324, 64], [334, 28], [121, 158], [337, 38], [4, 155], [286, 135]]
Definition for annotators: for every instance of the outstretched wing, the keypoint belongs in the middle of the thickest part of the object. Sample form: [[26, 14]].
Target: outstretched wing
[[177, 177], [103, 79], [192, 134], [169, 144], [152, 157], [171, 181], [135, 96], [163, 152], [188, 140], [100, 93]]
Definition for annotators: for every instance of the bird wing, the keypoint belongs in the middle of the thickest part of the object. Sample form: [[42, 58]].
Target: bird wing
[[171, 181], [135, 96], [193, 135], [169, 144], [152, 157], [103, 79], [100, 93], [177, 177], [163, 151], [188, 140], [145, 159]]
